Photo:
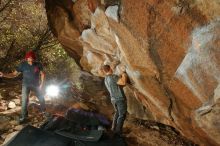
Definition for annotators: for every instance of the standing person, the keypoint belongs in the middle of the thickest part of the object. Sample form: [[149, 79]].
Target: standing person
[[113, 83], [33, 80]]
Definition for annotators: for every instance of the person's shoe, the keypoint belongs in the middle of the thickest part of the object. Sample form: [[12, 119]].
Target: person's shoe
[[22, 120]]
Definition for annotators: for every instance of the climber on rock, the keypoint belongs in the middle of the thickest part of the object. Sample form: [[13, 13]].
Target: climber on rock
[[114, 85], [33, 80]]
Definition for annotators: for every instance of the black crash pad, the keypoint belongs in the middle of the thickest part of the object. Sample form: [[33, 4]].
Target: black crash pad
[[87, 135], [31, 136]]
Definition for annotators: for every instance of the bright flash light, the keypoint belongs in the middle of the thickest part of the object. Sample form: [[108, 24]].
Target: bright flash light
[[52, 90]]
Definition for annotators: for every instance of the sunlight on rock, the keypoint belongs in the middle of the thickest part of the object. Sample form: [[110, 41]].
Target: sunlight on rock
[[200, 68]]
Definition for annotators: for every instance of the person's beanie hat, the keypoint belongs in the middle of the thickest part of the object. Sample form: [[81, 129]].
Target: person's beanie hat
[[30, 54]]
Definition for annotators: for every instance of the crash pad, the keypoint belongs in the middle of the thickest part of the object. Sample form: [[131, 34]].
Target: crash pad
[[84, 135], [31, 136]]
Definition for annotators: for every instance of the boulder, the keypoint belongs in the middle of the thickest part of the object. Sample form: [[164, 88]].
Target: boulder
[[17, 101], [11, 105], [169, 50]]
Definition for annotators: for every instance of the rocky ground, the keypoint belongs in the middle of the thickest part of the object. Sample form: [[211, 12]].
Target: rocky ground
[[136, 132]]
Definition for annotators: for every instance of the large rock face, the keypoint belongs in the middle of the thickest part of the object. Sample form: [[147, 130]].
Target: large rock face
[[170, 50]]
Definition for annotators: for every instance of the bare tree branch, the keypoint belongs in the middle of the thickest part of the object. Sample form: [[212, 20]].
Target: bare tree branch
[[44, 39]]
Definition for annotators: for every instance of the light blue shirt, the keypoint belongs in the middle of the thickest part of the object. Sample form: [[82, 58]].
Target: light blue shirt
[[114, 89]]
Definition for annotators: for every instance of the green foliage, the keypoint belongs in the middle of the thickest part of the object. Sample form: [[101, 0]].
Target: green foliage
[[59, 66], [23, 21]]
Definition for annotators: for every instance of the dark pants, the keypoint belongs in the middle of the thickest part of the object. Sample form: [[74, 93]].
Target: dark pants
[[120, 108], [25, 96]]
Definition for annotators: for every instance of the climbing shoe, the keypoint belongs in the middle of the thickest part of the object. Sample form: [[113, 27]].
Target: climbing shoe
[[22, 120]]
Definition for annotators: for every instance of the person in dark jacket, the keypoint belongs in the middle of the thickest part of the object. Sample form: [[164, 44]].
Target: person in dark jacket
[[33, 80], [114, 85]]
